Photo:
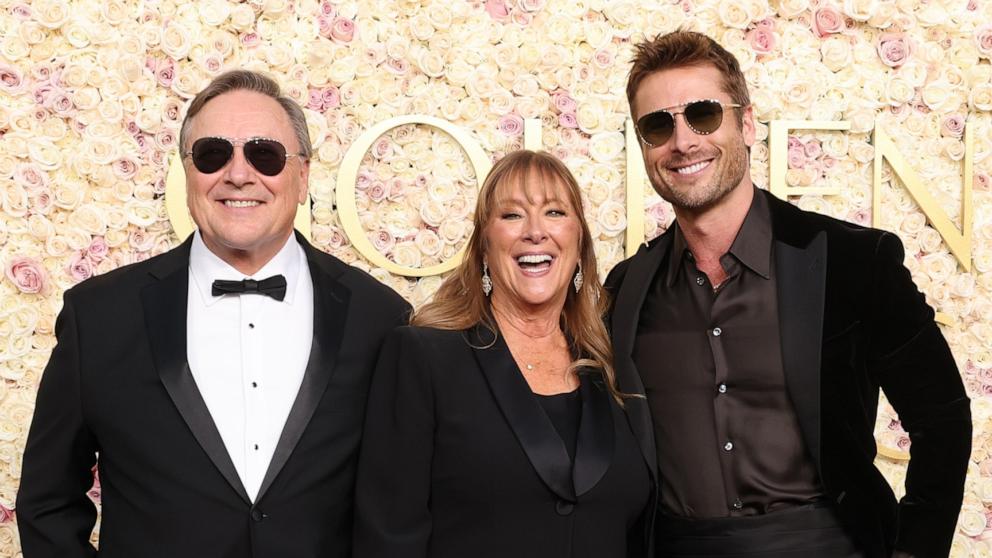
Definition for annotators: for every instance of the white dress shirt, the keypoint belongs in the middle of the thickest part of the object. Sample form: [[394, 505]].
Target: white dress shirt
[[248, 352]]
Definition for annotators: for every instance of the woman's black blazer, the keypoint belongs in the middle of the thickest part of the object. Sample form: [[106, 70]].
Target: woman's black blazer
[[459, 460]]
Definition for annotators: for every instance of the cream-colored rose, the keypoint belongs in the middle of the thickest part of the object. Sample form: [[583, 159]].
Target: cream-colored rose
[[89, 218], [733, 14], [428, 243], [971, 521], [606, 146], [980, 97], [44, 153], [407, 254], [50, 13], [611, 218], [791, 8], [588, 115], [941, 97], [898, 92], [175, 40], [835, 52]]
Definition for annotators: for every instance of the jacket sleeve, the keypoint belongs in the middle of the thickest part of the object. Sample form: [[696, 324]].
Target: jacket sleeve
[[55, 517], [916, 370], [392, 494]]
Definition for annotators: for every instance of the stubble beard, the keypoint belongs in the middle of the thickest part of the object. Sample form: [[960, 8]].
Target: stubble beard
[[732, 167]]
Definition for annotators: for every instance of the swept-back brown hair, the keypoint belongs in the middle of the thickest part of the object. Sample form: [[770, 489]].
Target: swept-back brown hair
[[682, 48], [247, 80], [460, 303]]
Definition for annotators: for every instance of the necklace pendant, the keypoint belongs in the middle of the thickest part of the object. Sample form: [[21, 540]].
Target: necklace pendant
[[530, 367]]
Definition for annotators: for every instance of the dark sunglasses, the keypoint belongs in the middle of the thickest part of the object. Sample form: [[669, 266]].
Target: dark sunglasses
[[703, 117], [268, 156]]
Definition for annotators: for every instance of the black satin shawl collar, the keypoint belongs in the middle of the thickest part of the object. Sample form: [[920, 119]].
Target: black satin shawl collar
[[533, 429]]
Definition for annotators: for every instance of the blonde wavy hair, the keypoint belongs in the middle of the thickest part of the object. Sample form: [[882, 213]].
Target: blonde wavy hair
[[460, 304]]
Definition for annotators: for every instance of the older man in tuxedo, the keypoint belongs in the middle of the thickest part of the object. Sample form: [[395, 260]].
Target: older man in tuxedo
[[760, 336], [222, 384]]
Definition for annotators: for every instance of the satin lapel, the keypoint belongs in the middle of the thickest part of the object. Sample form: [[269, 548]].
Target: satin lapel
[[625, 317], [529, 422], [164, 305], [330, 311], [801, 274], [594, 449]]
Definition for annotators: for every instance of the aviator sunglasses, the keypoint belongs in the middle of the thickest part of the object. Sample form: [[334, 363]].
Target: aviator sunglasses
[[703, 117], [268, 156]]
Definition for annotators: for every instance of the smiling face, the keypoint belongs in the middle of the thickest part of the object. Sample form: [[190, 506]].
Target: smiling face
[[532, 245], [245, 217], [695, 172]]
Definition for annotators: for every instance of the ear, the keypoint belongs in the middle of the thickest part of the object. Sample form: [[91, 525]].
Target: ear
[[747, 125], [304, 178]]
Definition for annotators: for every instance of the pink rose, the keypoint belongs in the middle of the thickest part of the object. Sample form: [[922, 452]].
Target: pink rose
[[382, 147], [972, 5], [330, 97], [398, 66], [511, 125], [396, 188], [420, 181], [250, 39], [343, 29], [10, 79], [761, 39], [383, 241], [894, 49], [983, 39], [827, 20], [315, 101], [812, 149], [324, 25], [521, 18], [6, 514], [338, 239], [363, 180], [983, 183], [797, 157], [125, 168], [567, 120], [564, 103], [860, 217], [27, 274], [952, 126], [21, 12], [94, 492], [377, 191], [498, 10], [79, 267], [603, 59], [98, 249], [327, 9]]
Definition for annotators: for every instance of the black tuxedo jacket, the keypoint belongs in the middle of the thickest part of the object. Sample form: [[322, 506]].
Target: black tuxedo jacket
[[459, 460], [851, 322], [118, 385]]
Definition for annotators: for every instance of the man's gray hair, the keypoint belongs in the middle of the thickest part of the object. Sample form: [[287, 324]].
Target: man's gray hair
[[247, 80]]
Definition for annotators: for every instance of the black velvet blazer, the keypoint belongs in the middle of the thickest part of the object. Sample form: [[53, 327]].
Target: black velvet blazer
[[852, 321], [459, 460]]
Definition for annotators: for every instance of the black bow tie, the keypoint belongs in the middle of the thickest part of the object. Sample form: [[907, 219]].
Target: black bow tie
[[274, 286]]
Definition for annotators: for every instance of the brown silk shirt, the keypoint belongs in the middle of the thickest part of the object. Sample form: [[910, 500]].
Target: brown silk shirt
[[729, 442]]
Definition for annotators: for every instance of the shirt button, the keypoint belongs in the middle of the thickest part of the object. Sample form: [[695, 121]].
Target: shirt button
[[564, 507], [256, 447], [722, 388], [717, 331], [738, 504], [700, 281], [251, 326], [728, 446]]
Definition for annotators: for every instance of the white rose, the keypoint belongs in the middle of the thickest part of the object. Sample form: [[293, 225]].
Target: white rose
[[612, 218]]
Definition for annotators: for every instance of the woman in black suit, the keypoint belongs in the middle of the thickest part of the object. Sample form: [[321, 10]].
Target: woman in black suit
[[494, 425]]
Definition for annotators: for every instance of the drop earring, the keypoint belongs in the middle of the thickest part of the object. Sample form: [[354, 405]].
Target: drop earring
[[487, 282], [577, 281]]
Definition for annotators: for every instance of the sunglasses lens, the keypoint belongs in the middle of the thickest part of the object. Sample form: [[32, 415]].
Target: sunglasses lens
[[705, 117], [655, 128], [211, 154], [267, 156]]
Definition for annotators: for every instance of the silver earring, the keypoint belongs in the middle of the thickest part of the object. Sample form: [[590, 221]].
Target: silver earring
[[487, 282], [577, 282]]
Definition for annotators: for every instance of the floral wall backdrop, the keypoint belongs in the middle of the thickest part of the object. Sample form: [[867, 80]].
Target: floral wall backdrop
[[92, 94]]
